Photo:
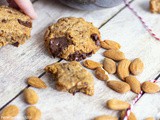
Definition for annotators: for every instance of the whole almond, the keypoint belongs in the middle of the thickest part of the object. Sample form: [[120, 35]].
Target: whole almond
[[123, 68], [150, 87], [109, 65], [118, 86], [101, 74], [114, 54], [9, 112], [149, 118], [131, 116], [33, 113], [109, 44], [30, 96], [134, 84], [91, 64], [136, 67], [105, 117], [36, 82], [115, 104]]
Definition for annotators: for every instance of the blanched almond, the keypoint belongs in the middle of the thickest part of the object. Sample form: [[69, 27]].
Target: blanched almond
[[131, 116], [33, 113]]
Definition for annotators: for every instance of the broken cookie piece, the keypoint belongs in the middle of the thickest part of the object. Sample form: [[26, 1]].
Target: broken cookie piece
[[155, 6], [15, 27], [72, 77]]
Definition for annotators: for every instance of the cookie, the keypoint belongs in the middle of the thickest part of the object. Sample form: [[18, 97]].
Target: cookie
[[155, 6], [71, 77], [15, 27], [72, 39]]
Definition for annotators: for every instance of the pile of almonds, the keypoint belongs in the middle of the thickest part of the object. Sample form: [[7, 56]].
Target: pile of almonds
[[116, 63], [31, 98]]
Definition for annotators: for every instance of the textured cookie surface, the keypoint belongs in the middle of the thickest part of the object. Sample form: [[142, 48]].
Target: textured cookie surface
[[72, 77], [155, 6], [15, 27], [72, 39]]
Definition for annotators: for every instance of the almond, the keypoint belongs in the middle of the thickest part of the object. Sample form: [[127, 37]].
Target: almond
[[118, 86], [149, 118], [114, 54], [134, 84], [36, 82], [123, 69], [109, 44], [131, 116], [30, 96], [91, 64], [9, 112], [105, 117], [101, 74], [115, 104], [150, 87], [33, 113], [109, 65], [136, 67]]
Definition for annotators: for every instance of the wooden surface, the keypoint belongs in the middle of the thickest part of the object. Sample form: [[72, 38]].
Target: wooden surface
[[119, 24]]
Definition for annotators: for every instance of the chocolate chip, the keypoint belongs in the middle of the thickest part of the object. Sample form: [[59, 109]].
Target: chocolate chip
[[15, 44], [79, 56], [25, 23], [57, 45], [4, 21], [95, 38]]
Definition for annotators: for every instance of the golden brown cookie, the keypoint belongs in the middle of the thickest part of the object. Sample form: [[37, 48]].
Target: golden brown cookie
[[15, 27], [72, 39], [155, 6], [72, 77]]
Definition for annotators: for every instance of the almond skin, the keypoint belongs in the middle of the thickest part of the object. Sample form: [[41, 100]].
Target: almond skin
[[30, 96], [109, 65], [123, 69], [149, 87], [105, 117], [115, 104], [118, 86], [9, 112], [131, 116], [134, 84], [101, 74], [33, 113], [91, 64], [136, 67], [114, 55], [109, 44], [36, 82]]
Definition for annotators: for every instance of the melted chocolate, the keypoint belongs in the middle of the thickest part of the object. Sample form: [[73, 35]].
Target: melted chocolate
[[79, 56], [4, 21], [95, 38], [25, 23], [57, 45]]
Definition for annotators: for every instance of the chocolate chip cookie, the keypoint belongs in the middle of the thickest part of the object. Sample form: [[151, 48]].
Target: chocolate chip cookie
[[72, 39], [72, 77], [15, 27]]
